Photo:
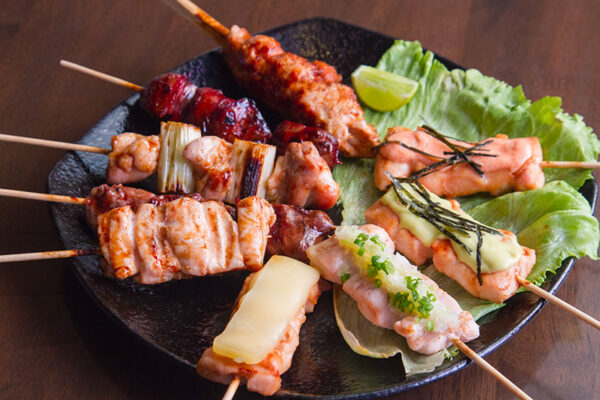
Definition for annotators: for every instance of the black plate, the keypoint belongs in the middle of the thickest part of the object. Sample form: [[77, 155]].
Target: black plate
[[181, 318]]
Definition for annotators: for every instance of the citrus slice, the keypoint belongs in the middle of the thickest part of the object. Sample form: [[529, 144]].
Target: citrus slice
[[382, 90]]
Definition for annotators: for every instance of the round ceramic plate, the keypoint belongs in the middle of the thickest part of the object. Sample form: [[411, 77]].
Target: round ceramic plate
[[181, 318]]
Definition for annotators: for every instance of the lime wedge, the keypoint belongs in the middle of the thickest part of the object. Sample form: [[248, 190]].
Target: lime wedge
[[382, 90]]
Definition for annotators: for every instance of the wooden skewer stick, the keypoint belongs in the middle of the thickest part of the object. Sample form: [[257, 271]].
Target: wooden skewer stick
[[53, 144], [213, 27], [570, 164], [491, 370], [47, 255], [560, 303], [101, 75], [231, 389], [42, 196]]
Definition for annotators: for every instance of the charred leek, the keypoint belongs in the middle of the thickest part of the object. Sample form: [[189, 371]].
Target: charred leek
[[174, 172], [252, 165]]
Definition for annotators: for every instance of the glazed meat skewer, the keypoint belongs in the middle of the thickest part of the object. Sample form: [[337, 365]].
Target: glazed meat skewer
[[304, 92], [217, 114]]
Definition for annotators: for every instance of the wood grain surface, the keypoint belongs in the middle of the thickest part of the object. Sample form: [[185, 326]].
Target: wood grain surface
[[54, 340]]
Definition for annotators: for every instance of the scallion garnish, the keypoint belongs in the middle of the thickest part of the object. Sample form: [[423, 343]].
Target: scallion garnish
[[344, 277]]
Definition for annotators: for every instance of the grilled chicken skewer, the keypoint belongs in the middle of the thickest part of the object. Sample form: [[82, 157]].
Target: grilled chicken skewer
[[257, 346], [222, 171], [295, 229], [501, 164], [304, 92], [420, 241], [391, 293]]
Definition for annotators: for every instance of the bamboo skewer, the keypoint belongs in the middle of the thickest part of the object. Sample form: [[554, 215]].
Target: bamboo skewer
[[48, 255], [53, 144], [558, 302], [231, 389], [570, 164], [101, 75], [42, 196], [213, 27], [490, 370]]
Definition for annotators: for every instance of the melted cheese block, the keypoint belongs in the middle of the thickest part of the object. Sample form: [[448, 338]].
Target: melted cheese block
[[278, 291]]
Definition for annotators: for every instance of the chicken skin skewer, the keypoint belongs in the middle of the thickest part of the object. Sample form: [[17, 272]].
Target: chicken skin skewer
[[183, 238]]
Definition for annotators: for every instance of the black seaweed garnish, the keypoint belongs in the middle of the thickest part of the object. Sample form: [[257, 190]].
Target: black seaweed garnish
[[446, 221], [458, 154]]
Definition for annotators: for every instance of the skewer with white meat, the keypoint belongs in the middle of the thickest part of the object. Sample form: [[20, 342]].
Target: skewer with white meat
[[182, 238], [391, 292], [501, 259], [259, 342], [295, 229]]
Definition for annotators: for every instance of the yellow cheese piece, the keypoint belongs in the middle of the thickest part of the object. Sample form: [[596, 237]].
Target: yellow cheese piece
[[279, 290]]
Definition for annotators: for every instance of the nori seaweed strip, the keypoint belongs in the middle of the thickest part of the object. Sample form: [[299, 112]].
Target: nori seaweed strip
[[440, 217], [459, 153], [454, 160]]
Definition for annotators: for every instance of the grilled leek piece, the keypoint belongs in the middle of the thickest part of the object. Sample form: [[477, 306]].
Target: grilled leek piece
[[252, 164], [174, 172]]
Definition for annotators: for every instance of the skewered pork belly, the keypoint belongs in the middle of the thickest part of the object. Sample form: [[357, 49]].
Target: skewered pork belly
[[259, 342], [506, 164], [305, 92], [389, 291], [173, 97], [182, 237], [302, 178], [420, 242]]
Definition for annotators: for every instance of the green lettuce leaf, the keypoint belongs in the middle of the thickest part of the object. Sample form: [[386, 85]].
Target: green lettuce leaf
[[555, 220], [470, 106]]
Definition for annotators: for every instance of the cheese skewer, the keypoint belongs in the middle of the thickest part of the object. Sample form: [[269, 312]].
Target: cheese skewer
[[256, 346]]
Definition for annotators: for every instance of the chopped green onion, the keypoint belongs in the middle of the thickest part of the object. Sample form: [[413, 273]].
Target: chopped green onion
[[430, 325], [345, 276]]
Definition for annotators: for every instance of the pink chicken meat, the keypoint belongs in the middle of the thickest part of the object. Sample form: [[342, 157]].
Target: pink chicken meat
[[516, 166], [332, 260]]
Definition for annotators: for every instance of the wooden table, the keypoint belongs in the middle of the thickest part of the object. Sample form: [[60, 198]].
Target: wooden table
[[56, 343]]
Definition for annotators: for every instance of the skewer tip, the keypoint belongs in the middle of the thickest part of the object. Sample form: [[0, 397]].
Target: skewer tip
[[231, 389]]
